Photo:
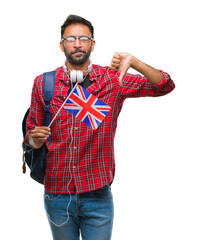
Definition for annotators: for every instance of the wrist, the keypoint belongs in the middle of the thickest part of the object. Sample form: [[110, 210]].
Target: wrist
[[134, 63]]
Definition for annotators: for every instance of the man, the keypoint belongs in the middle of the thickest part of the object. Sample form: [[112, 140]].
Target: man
[[80, 163]]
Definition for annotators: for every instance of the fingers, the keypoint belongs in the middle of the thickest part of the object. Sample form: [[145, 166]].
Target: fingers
[[38, 136], [115, 63], [121, 62], [41, 132]]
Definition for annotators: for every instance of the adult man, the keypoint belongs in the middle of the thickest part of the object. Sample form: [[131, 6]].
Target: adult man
[[80, 160]]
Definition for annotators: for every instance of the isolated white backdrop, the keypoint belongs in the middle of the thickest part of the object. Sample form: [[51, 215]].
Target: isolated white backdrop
[[155, 184]]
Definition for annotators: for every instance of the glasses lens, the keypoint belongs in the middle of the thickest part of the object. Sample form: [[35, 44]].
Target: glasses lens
[[84, 38], [70, 39]]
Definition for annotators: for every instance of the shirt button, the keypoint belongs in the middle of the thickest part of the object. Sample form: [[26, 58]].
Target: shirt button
[[76, 128], [74, 167], [75, 148]]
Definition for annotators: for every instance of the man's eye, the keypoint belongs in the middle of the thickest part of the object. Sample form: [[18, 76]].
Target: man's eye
[[70, 39], [83, 38]]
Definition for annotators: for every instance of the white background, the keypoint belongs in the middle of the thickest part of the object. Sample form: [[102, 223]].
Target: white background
[[155, 184]]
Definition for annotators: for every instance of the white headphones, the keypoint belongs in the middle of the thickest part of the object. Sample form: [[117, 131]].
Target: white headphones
[[77, 75]]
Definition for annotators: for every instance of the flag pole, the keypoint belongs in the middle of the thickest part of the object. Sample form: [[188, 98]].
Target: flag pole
[[62, 105]]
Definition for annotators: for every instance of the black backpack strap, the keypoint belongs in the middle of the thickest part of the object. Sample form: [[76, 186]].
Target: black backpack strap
[[48, 90]]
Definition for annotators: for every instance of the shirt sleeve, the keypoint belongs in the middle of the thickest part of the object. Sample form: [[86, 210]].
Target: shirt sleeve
[[139, 86]]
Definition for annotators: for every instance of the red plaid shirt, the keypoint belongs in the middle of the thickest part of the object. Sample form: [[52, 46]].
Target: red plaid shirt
[[87, 154]]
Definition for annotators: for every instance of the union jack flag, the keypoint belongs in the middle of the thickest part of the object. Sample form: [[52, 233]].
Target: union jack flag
[[86, 107]]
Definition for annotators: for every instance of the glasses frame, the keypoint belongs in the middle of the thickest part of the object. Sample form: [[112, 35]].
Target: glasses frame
[[81, 41]]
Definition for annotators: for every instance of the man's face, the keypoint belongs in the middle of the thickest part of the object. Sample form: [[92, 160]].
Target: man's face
[[77, 52]]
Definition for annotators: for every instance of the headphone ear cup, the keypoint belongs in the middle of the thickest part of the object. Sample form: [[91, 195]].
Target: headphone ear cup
[[79, 76], [64, 67], [73, 76], [76, 75]]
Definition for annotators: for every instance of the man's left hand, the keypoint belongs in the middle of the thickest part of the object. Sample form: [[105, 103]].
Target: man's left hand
[[122, 62]]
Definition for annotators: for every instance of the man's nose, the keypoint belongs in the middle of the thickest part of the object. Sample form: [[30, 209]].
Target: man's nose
[[77, 42]]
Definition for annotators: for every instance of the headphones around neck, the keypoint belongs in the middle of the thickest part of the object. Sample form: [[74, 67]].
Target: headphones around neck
[[77, 75]]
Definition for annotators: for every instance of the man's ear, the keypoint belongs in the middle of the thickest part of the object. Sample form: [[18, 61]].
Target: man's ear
[[62, 46], [93, 45]]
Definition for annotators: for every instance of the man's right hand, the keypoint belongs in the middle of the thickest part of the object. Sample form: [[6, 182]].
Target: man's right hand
[[38, 136]]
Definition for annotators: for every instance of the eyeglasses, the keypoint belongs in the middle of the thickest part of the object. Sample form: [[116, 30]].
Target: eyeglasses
[[72, 39]]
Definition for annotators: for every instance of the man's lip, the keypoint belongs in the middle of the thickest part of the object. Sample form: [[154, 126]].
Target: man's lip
[[78, 52]]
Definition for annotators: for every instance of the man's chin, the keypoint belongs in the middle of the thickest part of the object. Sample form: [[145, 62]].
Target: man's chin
[[78, 60]]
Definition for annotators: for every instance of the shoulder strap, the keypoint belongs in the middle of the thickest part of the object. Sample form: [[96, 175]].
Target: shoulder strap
[[48, 90]]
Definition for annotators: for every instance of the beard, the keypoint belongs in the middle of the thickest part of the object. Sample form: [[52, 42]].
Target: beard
[[80, 59]]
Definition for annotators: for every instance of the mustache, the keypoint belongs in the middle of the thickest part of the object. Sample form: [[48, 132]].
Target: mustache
[[77, 51]]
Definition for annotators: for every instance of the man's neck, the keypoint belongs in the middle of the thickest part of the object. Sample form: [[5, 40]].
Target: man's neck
[[82, 67]]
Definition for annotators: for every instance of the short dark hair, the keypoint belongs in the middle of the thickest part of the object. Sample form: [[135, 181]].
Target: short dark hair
[[74, 19]]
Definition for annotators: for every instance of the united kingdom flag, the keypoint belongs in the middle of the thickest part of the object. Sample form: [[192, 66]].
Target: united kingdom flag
[[86, 107]]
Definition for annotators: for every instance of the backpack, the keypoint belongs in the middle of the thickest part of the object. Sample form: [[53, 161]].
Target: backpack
[[36, 158]]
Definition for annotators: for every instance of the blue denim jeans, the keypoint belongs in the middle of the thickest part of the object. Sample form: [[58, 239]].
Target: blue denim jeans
[[90, 214]]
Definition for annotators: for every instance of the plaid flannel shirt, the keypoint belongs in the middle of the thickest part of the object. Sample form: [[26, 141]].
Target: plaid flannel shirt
[[74, 147]]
